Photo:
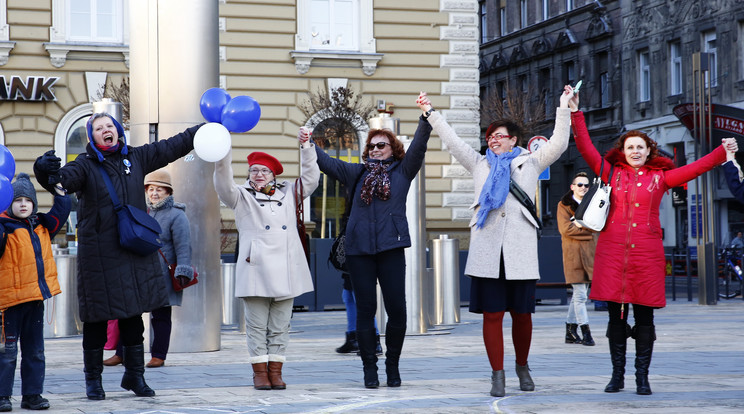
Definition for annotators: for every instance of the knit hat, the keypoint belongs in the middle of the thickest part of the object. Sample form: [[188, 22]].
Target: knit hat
[[161, 178], [265, 159], [119, 131], [22, 187]]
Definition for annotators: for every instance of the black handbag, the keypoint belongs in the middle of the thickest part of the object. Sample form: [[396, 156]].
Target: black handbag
[[523, 198], [138, 232], [337, 255]]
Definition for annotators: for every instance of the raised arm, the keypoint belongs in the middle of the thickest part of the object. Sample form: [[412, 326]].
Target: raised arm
[[309, 163], [586, 147], [224, 183], [681, 175]]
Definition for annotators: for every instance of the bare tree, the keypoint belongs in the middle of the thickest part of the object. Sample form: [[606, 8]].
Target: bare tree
[[120, 94], [336, 116], [526, 108]]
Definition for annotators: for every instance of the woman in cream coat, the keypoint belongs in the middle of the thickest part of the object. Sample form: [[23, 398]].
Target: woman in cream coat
[[272, 267], [502, 261]]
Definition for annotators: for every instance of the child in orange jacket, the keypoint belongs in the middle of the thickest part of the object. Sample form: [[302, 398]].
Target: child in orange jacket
[[28, 276]]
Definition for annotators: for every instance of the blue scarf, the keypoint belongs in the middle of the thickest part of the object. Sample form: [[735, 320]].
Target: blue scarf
[[496, 188]]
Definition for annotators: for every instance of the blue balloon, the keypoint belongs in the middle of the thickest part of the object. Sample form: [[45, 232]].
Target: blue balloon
[[6, 193], [241, 114], [212, 102], [7, 164]]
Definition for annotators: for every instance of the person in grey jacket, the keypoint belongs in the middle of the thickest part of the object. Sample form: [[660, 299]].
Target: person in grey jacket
[[502, 262], [376, 234], [272, 268], [113, 283]]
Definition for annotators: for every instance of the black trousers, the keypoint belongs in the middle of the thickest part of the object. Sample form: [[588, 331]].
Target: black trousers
[[643, 315], [389, 269], [130, 333]]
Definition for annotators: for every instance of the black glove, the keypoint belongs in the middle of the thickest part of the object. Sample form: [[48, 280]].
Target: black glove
[[49, 163]]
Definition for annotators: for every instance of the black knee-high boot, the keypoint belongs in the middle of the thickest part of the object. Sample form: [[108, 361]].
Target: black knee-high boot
[[394, 336], [134, 371], [645, 337], [618, 339], [367, 340], [93, 367]]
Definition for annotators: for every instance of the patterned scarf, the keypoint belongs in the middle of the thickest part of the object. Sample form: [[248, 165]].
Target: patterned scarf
[[268, 189], [496, 188], [377, 181]]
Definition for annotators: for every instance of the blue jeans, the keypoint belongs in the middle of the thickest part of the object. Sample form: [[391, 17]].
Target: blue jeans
[[24, 323], [351, 314], [577, 308]]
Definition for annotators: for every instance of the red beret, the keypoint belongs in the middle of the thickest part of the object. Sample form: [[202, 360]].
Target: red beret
[[265, 159]]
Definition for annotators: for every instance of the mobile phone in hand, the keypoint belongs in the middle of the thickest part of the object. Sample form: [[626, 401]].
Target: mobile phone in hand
[[576, 88]]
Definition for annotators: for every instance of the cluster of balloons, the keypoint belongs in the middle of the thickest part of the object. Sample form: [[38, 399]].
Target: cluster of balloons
[[224, 115], [7, 171]]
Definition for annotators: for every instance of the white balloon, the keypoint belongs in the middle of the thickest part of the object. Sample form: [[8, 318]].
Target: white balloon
[[212, 142]]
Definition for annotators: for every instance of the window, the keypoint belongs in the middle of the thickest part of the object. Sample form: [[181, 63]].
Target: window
[[483, 22], [675, 68], [644, 76], [337, 29], [96, 21], [546, 9], [603, 79], [332, 24], [88, 25], [5, 45], [569, 5], [543, 81], [740, 55], [709, 46], [502, 20], [569, 73], [523, 13]]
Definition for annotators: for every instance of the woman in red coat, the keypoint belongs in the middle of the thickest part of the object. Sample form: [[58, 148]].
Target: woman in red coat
[[629, 266]]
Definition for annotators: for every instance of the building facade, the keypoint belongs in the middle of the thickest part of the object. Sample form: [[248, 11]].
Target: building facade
[[57, 55]]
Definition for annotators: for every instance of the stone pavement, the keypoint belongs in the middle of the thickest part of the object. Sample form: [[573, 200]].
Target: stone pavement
[[697, 366]]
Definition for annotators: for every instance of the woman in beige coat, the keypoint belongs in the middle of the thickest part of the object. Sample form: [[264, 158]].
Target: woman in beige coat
[[578, 244], [502, 262], [271, 269]]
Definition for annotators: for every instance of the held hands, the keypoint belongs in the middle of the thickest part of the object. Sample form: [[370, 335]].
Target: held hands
[[570, 99], [731, 147], [50, 164], [423, 102], [304, 136]]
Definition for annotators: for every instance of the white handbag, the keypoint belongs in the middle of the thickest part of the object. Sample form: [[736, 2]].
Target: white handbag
[[595, 206]]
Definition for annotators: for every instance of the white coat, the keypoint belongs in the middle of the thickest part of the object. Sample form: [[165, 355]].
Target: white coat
[[271, 261], [511, 226]]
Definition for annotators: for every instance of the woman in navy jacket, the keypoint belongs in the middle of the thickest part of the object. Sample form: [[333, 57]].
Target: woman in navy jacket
[[376, 234], [732, 171]]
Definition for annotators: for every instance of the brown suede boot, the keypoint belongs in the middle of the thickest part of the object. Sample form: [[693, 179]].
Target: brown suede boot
[[275, 375], [260, 376]]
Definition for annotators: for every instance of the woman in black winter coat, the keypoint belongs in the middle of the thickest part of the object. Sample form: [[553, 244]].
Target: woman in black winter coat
[[376, 234], [113, 283]]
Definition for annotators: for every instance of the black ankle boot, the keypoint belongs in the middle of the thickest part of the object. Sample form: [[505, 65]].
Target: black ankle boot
[[366, 338], [93, 367], [587, 334], [134, 371], [350, 345], [572, 336], [645, 337], [617, 336]]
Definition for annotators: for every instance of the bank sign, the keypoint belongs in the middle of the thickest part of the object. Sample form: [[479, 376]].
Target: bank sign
[[33, 88]]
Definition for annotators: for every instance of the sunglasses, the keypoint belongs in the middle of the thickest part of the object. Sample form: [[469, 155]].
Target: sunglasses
[[582, 185], [379, 145]]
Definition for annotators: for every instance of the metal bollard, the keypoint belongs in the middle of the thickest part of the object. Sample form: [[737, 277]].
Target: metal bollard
[[62, 317], [232, 307], [445, 261]]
